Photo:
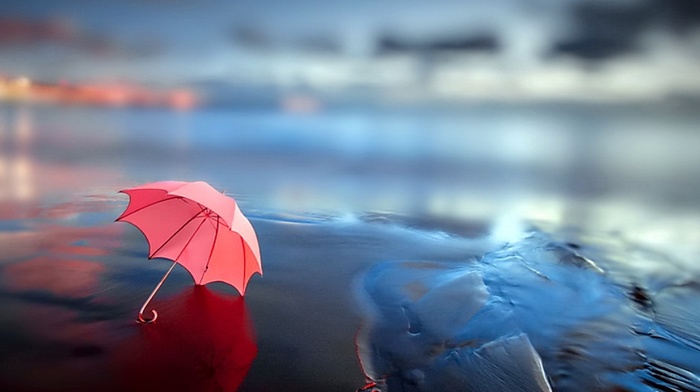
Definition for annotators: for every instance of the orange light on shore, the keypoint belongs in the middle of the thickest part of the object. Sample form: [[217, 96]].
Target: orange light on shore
[[115, 96], [15, 89], [101, 94], [23, 82], [182, 99], [300, 104]]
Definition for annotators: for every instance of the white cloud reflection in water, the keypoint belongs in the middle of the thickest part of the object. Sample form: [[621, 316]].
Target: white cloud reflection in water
[[592, 167], [16, 169]]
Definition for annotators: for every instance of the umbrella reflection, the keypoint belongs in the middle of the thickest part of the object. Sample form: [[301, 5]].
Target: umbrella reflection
[[205, 343]]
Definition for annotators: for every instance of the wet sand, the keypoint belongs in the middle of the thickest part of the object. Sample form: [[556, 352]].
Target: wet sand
[[72, 288], [76, 280]]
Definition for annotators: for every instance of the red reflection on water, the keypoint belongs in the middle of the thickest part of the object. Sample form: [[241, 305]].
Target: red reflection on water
[[64, 278], [201, 341], [58, 240]]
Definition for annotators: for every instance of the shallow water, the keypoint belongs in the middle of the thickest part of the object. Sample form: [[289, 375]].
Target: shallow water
[[533, 315], [339, 199]]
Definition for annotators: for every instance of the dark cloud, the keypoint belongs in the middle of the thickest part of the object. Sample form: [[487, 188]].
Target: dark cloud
[[16, 31], [250, 37], [680, 16], [483, 42], [64, 33], [256, 38], [601, 31], [53, 31], [320, 44]]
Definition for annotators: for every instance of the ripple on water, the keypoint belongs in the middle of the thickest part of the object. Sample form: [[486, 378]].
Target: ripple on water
[[534, 315]]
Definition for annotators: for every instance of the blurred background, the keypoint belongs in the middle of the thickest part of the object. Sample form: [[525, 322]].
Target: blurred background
[[351, 133], [571, 110], [251, 52]]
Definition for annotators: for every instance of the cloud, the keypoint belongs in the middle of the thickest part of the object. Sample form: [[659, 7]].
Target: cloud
[[604, 30], [601, 31], [259, 39], [480, 42], [19, 31], [681, 16], [578, 49], [250, 36], [63, 33]]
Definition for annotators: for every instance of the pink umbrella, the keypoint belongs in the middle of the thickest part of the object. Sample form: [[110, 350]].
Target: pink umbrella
[[199, 228]]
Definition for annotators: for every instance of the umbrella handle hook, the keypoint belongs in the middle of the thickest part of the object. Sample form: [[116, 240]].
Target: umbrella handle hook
[[140, 317]]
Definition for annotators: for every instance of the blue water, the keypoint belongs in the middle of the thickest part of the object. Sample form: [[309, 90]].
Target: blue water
[[338, 198], [411, 160], [534, 315]]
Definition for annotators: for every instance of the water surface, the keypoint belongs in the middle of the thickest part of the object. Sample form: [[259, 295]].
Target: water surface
[[337, 198]]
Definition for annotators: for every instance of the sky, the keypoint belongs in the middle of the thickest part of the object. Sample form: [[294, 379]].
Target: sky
[[589, 50]]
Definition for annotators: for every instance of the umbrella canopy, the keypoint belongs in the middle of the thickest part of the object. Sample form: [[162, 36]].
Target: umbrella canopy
[[199, 228]]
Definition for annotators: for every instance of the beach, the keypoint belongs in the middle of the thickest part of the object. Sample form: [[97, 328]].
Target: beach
[[600, 204]]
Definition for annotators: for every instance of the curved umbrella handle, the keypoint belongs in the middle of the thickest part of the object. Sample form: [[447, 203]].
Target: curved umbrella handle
[[141, 320], [140, 317]]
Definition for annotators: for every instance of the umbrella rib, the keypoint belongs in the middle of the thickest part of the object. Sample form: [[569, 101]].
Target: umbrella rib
[[244, 263], [218, 217], [148, 205], [175, 233], [190, 240], [211, 252]]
